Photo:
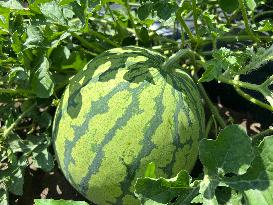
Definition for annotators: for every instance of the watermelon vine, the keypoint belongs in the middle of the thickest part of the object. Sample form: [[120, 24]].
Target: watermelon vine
[[136, 102]]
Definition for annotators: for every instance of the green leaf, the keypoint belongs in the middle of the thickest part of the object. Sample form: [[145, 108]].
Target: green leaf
[[42, 83], [19, 76], [257, 183], [3, 195], [16, 43], [266, 26], [226, 195], [161, 190], [222, 156], [211, 72], [229, 6], [144, 11], [12, 4], [251, 4], [16, 144], [44, 120], [144, 35], [165, 10], [43, 160], [4, 19], [17, 181], [58, 202], [34, 36], [53, 12], [207, 189]]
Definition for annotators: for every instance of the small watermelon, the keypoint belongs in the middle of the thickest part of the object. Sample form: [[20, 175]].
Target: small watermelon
[[120, 113]]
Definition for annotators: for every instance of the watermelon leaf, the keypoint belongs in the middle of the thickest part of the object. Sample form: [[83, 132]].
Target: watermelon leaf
[[257, 182], [251, 4], [221, 157], [3, 195], [42, 83], [229, 6], [43, 160], [245, 170], [163, 191]]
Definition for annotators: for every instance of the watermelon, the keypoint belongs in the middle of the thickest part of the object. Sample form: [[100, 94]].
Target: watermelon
[[121, 112]]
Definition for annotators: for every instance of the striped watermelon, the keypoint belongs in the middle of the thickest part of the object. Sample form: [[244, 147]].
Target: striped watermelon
[[120, 113]]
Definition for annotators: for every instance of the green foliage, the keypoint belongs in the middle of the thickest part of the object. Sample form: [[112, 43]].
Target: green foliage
[[43, 43], [246, 169]]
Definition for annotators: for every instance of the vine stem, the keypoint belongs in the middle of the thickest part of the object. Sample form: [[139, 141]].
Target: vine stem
[[239, 83], [86, 43], [262, 88], [112, 15], [257, 137], [102, 37], [174, 59], [263, 14], [127, 6], [8, 131], [16, 91], [183, 24], [252, 99], [211, 106], [232, 38], [247, 26], [195, 15], [208, 127], [168, 64]]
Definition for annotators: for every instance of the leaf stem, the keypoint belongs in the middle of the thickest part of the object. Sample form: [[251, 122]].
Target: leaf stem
[[258, 137], [127, 6], [183, 24], [239, 83], [235, 38], [112, 15], [102, 37], [171, 61], [86, 43], [211, 106], [195, 17], [262, 14], [252, 99], [8, 131], [208, 127], [247, 26], [16, 91]]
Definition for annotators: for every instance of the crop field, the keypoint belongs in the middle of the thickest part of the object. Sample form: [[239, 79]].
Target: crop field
[[127, 102]]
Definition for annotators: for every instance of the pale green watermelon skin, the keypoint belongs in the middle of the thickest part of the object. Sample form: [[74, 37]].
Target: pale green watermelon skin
[[120, 113]]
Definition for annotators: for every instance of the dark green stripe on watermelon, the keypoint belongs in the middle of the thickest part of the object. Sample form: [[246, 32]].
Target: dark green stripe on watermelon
[[95, 164], [147, 147]]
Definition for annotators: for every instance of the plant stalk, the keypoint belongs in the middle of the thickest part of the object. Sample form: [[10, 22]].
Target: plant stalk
[[8, 131], [211, 106], [183, 24], [247, 26]]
